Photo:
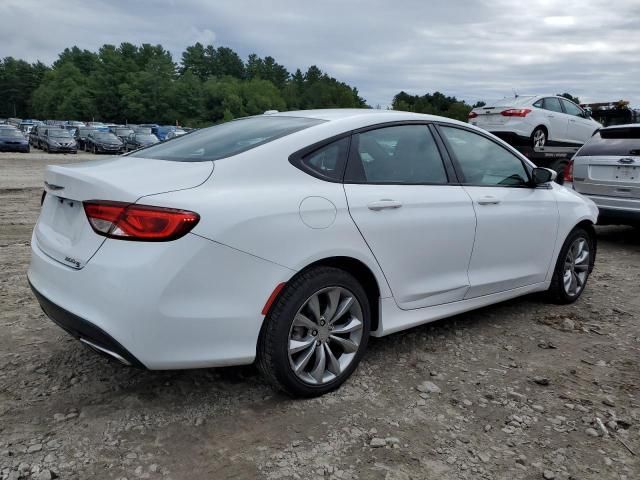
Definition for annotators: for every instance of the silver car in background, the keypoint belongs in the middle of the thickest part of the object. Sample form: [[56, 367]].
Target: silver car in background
[[607, 170]]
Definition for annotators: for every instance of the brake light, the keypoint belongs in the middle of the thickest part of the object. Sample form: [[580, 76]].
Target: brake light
[[472, 115], [515, 112], [127, 221], [568, 172]]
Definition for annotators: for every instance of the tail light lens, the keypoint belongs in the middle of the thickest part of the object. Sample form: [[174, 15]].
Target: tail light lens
[[568, 172], [472, 115], [515, 112], [127, 221]]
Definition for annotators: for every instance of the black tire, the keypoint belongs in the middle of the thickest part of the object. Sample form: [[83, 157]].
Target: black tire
[[539, 131], [272, 351], [557, 292]]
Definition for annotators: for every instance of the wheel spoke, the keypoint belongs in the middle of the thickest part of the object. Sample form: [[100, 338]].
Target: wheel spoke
[[581, 268], [574, 284], [348, 346], [302, 321], [333, 296], [333, 363], [314, 307], [317, 372], [304, 359], [353, 325], [296, 346], [343, 308], [579, 280]]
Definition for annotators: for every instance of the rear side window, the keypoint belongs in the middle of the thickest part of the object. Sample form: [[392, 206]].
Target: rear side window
[[404, 154], [328, 161], [553, 104], [613, 141], [227, 139]]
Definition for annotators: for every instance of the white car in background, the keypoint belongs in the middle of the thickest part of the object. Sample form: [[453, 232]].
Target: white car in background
[[290, 238], [536, 121]]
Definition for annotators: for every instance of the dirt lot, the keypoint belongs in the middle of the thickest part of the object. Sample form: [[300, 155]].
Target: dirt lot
[[521, 390]]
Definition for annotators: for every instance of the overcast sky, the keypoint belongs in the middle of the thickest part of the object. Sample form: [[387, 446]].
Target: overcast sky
[[473, 49]]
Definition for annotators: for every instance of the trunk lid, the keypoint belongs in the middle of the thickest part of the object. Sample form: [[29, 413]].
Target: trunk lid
[[610, 175], [63, 231], [487, 116]]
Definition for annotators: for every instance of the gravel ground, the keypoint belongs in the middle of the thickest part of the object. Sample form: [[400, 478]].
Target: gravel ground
[[520, 390]]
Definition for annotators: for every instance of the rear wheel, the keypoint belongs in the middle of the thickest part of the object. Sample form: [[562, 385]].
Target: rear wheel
[[539, 137], [315, 333], [573, 267]]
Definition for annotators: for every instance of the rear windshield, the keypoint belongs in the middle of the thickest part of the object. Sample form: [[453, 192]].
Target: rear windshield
[[227, 139], [512, 101], [613, 141]]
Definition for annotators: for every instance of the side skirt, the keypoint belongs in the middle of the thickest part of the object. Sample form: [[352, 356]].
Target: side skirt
[[393, 319]]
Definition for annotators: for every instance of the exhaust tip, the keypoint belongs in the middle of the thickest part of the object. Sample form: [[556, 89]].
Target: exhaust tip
[[105, 351]]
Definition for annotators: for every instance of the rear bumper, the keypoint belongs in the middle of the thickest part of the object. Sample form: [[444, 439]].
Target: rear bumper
[[85, 331], [189, 303], [616, 210]]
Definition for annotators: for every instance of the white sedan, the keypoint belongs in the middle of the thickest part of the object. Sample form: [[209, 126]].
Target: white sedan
[[536, 121], [290, 238]]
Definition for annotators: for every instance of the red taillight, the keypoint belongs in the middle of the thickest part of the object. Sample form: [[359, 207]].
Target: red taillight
[[473, 114], [515, 112], [568, 172], [128, 221]]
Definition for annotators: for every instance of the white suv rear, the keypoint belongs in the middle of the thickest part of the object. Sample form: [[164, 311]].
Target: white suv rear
[[536, 121]]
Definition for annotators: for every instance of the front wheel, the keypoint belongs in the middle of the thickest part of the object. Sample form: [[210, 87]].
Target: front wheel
[[573, 267], [539, 137], [315, 333]]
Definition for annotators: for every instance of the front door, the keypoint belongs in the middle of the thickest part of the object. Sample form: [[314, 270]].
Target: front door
[[419, 227], [516, 223]]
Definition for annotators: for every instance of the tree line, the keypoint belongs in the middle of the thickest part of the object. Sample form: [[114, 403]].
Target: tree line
[[144, 84]]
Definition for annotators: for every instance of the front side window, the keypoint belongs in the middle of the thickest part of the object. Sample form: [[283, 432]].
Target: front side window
[[553, 104], [227, 139], [572, 109], [484, 162], [405, 154]]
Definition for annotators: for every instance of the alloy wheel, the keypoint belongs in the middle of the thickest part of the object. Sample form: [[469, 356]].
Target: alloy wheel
[[539, 138], [576, 267], [325, 335]]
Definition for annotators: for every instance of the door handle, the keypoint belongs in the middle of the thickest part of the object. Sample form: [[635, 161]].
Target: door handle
[[572, 120], [550, 116], [488, 200], [384, 204]]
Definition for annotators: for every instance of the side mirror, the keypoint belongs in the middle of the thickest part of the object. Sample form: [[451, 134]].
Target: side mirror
[[543, 175]]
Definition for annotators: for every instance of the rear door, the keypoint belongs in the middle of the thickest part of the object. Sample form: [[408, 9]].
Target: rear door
[[609, 164], [579, 128], [556, 118], [418, 225], [516, 224]]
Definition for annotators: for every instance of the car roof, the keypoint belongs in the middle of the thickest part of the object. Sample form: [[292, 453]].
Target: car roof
[[363, 114]]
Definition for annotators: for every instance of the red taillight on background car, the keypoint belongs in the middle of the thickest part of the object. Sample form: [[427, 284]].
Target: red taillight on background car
[[472, 115], [515, 112], [568, 172], [126, 221]]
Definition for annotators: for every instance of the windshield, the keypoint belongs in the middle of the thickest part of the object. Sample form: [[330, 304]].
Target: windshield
[[123, 131], [613, 141], [104, 136], [59, 134], [145, 137], [6, 132], [227, 139]]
